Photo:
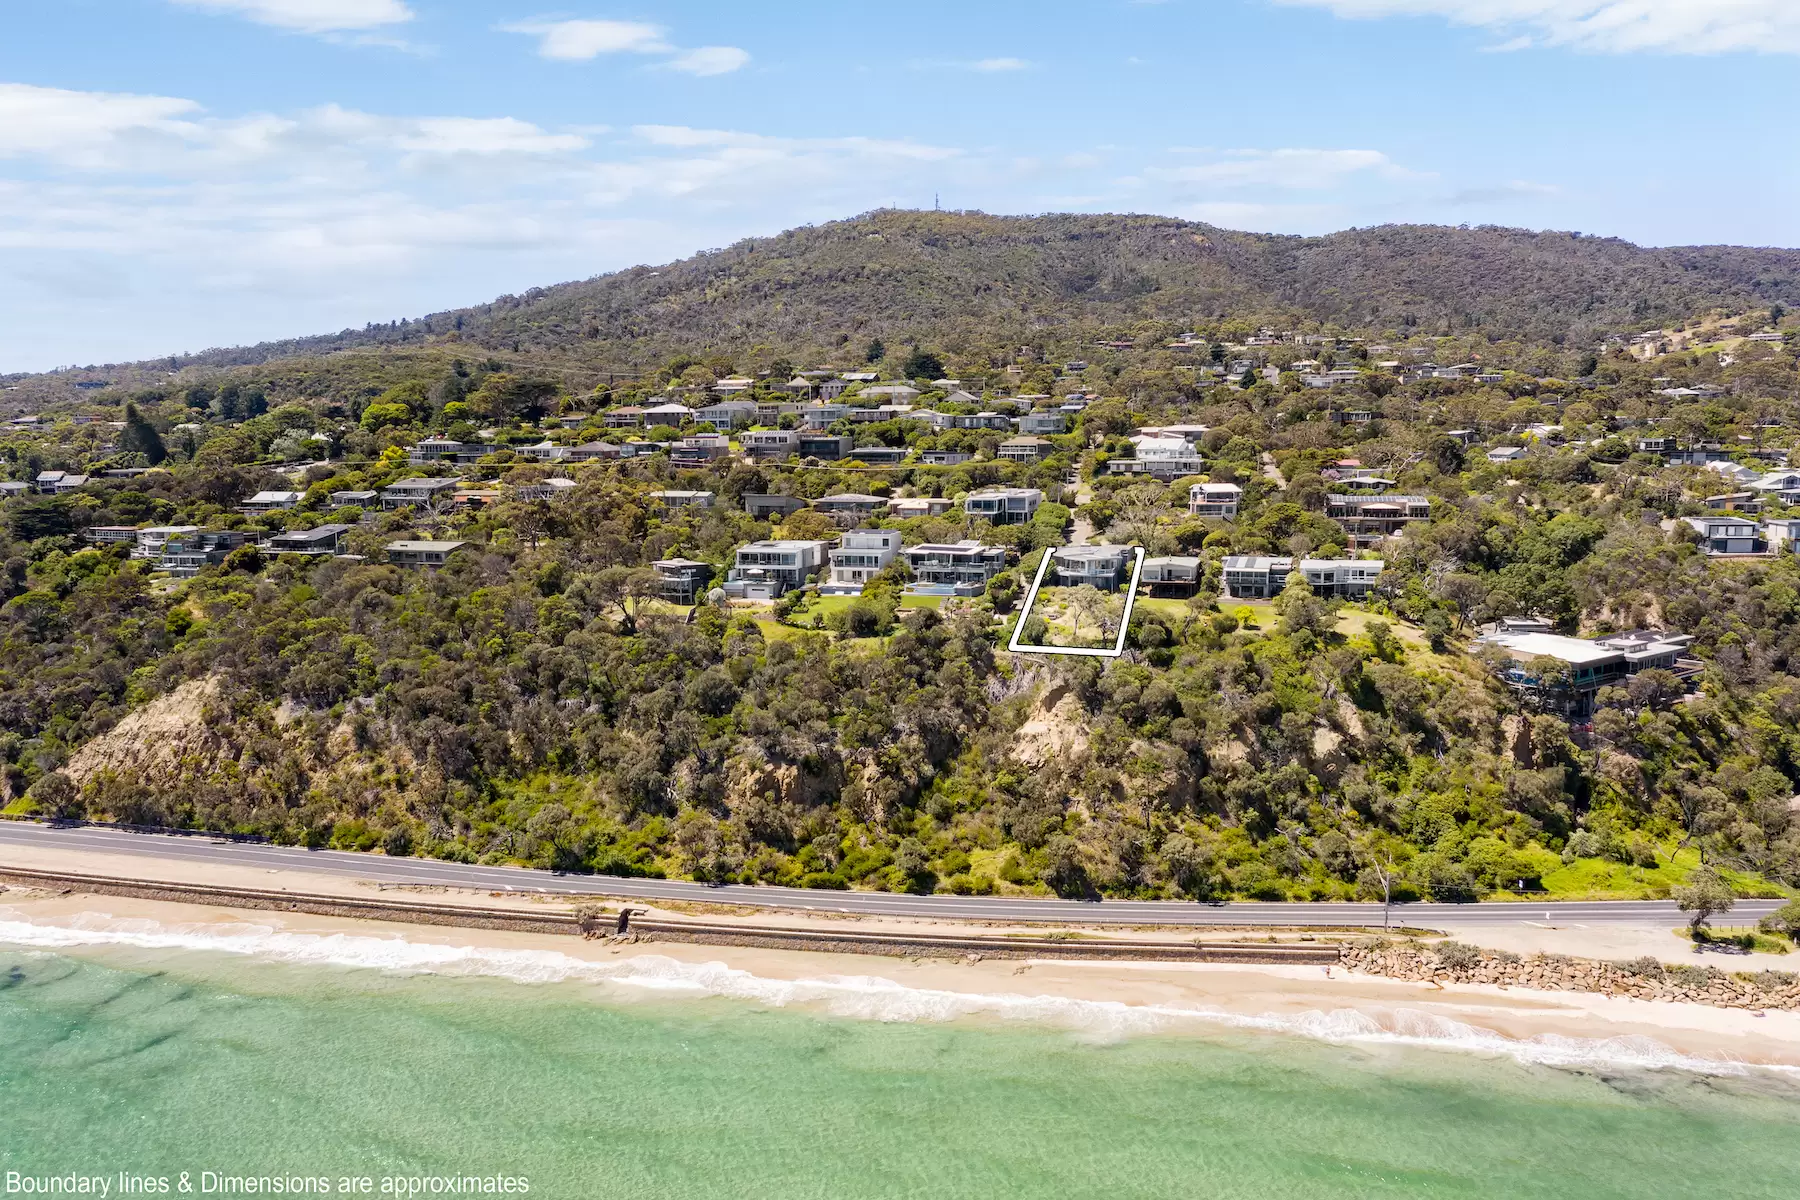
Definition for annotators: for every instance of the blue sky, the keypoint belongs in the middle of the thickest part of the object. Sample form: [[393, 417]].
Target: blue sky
[[179, 174]]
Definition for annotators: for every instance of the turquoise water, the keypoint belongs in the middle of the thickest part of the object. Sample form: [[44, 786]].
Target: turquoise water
[[158, 1062]]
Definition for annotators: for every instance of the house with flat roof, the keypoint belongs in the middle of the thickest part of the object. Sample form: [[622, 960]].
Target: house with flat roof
[[626, 416], [828, 446], [820, 416], [405, 492], [271, 502], [849, 509], [679, 498], [954, 568], [421, 553], [861, 555], [361, 497], [770, 443], [1782, 534], [186, 556], [1003, 506], [321, 539], [1161, 457], [106, 535], [1589, 665], [1370, 518], [699, 449], [768, 570], [1257, 577], [1052, 421], [1219, 500], [944, 458], [1104, 567], [681, 580], [544, 451], [879, 456], [727, 414], [1727, 535]]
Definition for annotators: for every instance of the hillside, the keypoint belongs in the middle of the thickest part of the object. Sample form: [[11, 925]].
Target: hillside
[[969, 278]]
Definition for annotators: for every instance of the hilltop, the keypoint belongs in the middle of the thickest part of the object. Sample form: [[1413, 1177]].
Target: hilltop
[[971, 279]]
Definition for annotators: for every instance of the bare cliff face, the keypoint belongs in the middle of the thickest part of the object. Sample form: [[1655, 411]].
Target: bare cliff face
[[159, 743]]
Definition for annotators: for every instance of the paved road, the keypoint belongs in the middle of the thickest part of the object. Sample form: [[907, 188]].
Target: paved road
[[200, 849]]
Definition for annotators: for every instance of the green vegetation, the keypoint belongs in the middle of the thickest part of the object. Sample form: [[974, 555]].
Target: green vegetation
[[534, 702]]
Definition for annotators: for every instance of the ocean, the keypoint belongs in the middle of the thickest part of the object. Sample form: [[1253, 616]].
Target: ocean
[[141, 1054]]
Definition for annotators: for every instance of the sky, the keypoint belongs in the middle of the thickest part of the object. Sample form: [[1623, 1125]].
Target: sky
[[182, 174]]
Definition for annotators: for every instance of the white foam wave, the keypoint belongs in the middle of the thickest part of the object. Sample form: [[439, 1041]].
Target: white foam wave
[[864, 997]]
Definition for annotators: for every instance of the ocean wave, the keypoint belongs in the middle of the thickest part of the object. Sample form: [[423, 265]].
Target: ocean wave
[[862, 997]]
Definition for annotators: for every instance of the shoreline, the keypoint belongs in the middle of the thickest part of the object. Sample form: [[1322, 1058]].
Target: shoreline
[[1100, 996]]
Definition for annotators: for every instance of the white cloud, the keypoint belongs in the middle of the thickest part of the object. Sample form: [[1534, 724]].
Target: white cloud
[[999, 64], [580, 41], [710, 60], [1296, 169], [583, 41], [312, 16], [82, 126], [1607, 26]]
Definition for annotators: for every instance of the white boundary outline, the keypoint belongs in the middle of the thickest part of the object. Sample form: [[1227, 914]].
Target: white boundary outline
[[1137, 572]]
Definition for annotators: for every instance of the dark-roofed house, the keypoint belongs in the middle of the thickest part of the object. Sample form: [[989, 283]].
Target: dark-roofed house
[[681, 580], [321, 539], [849, 509], [417, 491], [759, 504]]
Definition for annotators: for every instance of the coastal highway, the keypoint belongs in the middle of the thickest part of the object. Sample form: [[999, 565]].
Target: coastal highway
[[202, 851]]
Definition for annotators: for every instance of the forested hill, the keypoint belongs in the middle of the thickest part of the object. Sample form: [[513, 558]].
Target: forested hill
[[970, 278]]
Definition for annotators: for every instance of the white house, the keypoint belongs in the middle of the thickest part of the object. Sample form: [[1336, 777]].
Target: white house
[[1004, 506], [1726, 535], [768, 570], [1219, 500], [861, 555]]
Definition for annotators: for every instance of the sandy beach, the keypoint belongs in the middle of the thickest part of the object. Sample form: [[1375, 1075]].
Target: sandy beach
[[1107, 998]]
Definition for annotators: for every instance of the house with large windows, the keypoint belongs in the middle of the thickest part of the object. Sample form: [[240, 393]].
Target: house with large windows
[[769, 570], [1104, 567], [1003, 506], [954, 568], [1256, 577], [861, 555], [1219, 500]]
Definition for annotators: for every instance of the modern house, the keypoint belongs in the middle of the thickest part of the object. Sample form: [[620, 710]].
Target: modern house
[[1727, 535], [545, 451], [406, 492], [768, 570], [433, 450], [1255, 577], [186, 556], [759, 504], [271, 502], [1370, 518], [848, 509], [945, 458], [1003, 506], [151, 540], [626, 416], [880, 456], [1588, 666], [1218, 500], [861, 555], [321, 539], [677, 498], [942, 421], [827, 446], [681, 580], [820, 416], [1104, 567], [1782, 534], [1783, 487], [421, 554], [1043, 422], [1170, 576], [1506, 454], [727, 414], [105, 535], [360, 497], [1162, 457], [699, 449], [770, 443], [959, 568]]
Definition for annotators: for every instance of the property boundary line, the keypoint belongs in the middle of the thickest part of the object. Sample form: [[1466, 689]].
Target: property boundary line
[[1137, 572]]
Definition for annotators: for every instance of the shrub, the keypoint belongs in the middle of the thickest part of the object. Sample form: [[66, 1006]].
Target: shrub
[[1458, 956], [1644, 968]]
